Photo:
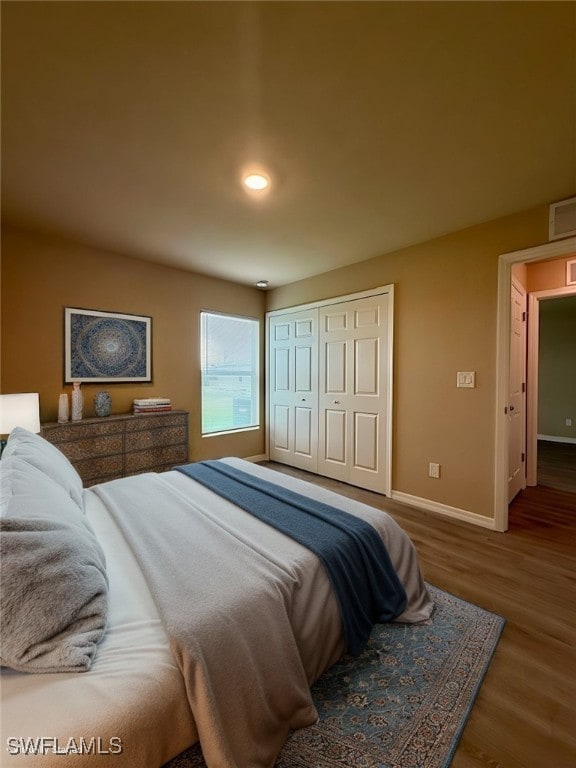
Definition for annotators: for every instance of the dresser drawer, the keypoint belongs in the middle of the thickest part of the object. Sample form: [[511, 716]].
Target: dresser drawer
[[161, 436], [149, 421], [109, 467], [90, 447], [89, 428], [148, 460]]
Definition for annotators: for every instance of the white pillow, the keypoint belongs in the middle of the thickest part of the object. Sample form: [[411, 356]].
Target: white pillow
[[47, 458]]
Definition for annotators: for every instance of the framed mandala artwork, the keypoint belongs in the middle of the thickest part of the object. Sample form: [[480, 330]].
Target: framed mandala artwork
[[106, 346]]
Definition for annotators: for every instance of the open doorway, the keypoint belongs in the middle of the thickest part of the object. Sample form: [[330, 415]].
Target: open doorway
[[562, 249], [554, 462]]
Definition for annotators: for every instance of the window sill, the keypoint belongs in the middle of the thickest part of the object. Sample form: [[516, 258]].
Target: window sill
[[231, 431]]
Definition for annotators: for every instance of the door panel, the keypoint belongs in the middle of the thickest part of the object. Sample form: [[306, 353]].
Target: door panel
[[306, 328], [293, 389], [282, 331], [281, 431], [517, 396], [364, 318], [366, 441], [303, 369], [366, 366], [353, 400], [281, 368], [335, 437], [303, 431], [335, 369], [335, 321]]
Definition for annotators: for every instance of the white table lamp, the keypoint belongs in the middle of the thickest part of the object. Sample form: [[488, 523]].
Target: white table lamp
[[22, 410]]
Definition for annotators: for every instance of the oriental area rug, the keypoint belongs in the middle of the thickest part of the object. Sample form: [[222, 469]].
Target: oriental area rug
[[403, 702]]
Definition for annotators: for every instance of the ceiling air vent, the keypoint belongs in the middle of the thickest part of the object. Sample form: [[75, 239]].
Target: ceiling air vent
[[562, 219], [571, 272]]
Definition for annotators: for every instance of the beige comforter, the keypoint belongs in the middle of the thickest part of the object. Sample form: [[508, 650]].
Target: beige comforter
[[249, 613]]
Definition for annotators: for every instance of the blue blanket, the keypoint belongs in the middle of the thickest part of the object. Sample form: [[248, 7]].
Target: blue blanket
[[364, 581]]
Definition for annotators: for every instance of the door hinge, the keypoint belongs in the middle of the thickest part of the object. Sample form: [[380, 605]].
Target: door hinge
[[523, 458], [523, 387], [523, 317]]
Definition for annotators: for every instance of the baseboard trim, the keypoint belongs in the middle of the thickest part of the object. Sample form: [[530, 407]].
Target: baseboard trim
[[416, 501], [444, 509], [555, 439]]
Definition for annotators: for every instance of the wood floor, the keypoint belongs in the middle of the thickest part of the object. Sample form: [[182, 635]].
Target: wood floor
[[557, 465], [525, 713]]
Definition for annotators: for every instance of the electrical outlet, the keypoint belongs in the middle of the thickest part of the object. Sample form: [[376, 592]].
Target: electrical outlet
[[434, 470], [568, 422]]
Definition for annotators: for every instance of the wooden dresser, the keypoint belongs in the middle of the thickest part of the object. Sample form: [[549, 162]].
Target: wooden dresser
[[105, 448]]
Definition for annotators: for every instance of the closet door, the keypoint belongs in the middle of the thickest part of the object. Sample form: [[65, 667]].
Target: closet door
[[293, 389], [354, 401]]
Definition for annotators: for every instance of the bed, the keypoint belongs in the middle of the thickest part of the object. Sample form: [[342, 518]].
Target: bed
[[182, 617]]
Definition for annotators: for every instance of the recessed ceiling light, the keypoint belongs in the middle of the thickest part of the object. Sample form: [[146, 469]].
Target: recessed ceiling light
[[256, 182], [262, 284]]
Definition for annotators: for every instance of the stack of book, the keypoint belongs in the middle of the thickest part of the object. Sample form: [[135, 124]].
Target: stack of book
[[152, 405]]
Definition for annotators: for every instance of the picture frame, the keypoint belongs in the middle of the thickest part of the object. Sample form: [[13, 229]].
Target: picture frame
[[106, 347]]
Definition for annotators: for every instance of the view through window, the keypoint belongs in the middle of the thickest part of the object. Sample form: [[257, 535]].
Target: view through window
[[230, 372]]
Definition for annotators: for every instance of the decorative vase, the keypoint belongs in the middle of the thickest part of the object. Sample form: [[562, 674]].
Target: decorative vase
[[77, 401], [63, 409], [102, 404]]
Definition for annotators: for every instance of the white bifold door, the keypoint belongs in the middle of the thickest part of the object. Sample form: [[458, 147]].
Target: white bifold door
[[353, 378], [293, 388], [330, 394]]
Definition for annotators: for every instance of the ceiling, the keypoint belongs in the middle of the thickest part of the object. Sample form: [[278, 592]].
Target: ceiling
[[127, 125]]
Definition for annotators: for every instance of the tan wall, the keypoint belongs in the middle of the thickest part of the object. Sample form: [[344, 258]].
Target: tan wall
[[545, 275], [41, 276], [520, 273], [445, 321]]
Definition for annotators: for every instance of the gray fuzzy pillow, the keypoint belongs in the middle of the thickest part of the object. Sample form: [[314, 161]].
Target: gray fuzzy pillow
[[53, 583]]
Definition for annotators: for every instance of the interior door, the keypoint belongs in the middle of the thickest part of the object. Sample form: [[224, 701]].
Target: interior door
[[517, 392], [353, 401], [293, 389]]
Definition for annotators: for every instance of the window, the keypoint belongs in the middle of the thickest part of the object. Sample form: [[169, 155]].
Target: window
[[230, 372]]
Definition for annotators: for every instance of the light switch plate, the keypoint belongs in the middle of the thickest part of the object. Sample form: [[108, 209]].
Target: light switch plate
[[466, 379]]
